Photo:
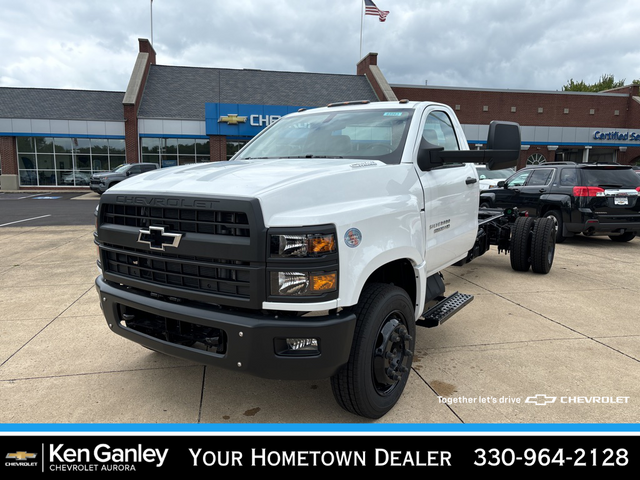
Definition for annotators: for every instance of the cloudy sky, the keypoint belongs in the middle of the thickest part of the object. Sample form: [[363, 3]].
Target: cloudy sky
[[515, 44]]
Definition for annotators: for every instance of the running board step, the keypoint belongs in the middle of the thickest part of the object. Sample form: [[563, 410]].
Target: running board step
[[443, 310]]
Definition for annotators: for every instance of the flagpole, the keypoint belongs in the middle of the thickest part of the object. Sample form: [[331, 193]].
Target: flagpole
[[151, 11], [361, 23]]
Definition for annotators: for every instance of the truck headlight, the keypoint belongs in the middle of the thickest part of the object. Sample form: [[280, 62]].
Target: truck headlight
[[306, 245], [303, 283]]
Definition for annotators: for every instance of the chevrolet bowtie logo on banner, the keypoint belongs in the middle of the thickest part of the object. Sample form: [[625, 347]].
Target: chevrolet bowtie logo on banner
[[232, 119], [20, 456], [157, 238]]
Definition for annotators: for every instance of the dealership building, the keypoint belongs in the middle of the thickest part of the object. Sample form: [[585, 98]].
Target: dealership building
[[173, 115]]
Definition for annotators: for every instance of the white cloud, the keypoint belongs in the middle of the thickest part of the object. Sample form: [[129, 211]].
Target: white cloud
[[527, 44]]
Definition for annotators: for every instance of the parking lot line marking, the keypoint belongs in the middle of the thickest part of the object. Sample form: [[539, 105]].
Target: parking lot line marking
[[29, 196], [25, 220]]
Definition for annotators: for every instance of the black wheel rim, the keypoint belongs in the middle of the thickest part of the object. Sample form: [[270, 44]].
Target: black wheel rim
[[392, 354]]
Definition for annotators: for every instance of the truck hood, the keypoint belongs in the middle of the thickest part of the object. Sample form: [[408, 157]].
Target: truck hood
[[304, 188]]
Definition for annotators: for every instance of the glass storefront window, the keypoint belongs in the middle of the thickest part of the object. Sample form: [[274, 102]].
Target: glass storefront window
[[44, 144], [66, 161], [62, 145], [169, 152], [234, 147], [116, 146], [25, 144]]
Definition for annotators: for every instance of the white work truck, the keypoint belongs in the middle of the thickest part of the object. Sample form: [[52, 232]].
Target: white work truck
[[316, 250]]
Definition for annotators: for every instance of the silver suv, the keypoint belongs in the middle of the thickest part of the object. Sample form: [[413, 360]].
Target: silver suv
[[100, 182]]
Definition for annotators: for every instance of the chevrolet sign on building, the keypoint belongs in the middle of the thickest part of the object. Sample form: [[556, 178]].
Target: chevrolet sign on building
[[241, 120]]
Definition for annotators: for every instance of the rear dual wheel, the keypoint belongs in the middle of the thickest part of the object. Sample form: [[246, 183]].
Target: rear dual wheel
[[533, 244], [520, 254], [543, 245]]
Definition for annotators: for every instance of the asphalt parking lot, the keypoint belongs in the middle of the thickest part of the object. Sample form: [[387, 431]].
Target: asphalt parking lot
[[562, 348]]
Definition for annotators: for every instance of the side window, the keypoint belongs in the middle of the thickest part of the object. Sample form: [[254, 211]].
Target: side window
[[134, 170], [519, 179], [438, 130], [541, 176], [148, 168], [568, 177]]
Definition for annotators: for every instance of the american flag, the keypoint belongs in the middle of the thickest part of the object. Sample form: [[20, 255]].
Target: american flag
[[371, 9]]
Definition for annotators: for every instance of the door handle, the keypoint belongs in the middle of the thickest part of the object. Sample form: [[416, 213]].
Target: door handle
[[470, 180]]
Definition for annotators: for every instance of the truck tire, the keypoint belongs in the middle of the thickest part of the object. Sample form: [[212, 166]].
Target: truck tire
[[543, 245], [556, 217], [520, 254], [373, 379]]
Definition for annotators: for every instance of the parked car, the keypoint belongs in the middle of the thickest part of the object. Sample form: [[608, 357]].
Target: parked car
[[100, 182], [76, 178], [490, 178], [592, 199]]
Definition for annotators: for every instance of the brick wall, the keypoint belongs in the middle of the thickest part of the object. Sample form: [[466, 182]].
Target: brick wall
[[8, 155], [363, 69], [531, 108], [131, 110], [218, 147], [556, 109]]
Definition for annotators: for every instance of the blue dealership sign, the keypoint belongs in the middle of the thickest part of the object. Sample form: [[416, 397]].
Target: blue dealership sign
[[242, 120]]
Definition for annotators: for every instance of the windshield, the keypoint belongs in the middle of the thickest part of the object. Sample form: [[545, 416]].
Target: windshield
[[121, 168], [486, 174], [363, 134]]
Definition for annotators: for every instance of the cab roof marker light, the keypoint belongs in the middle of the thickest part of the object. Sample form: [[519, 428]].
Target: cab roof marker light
[[354, 102]]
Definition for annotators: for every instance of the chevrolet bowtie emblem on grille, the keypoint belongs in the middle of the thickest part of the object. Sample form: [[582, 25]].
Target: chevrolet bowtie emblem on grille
[[232, 119], [157, 238]]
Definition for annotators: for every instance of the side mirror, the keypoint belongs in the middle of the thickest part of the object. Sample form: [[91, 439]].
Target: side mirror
[[503, 145], [501, 184], [429, 155], [503, 150]]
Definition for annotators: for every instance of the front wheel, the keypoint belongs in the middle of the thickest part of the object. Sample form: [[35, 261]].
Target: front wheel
[[373, 379]]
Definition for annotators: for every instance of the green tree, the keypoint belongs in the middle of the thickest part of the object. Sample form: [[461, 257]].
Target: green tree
[[606, 82]]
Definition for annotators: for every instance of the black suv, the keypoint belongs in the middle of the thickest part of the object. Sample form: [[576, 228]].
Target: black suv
[[588, 198]]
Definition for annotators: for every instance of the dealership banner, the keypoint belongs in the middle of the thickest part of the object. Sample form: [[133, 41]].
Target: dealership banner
[[242, 120], [223, 454]]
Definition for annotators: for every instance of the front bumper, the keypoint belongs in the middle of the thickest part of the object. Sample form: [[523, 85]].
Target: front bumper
[[97, 187], [247, 342]]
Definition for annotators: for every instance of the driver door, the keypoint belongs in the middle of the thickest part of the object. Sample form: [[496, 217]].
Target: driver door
[[450, 196]]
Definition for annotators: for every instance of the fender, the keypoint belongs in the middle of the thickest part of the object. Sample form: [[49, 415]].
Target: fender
[[555, 201], [488, 197]]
